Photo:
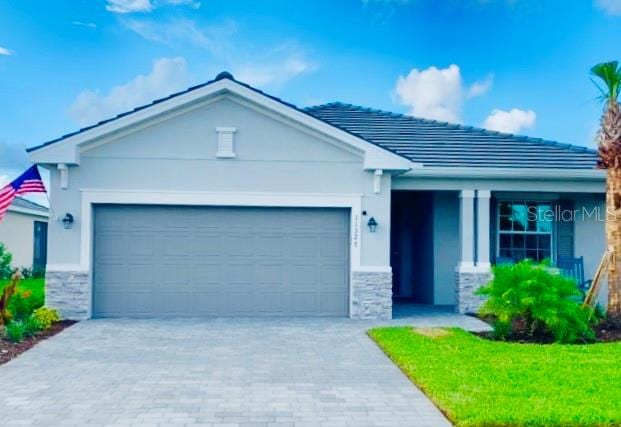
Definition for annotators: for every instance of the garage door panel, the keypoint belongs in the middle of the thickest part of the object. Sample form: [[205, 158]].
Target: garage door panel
[[164, 261], [206, 274], [302, 246], [332, 274]]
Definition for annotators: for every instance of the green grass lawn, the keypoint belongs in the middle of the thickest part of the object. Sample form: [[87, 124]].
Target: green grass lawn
[[478, 382], [36, 286]]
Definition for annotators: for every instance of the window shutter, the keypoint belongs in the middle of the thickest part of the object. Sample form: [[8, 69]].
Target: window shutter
[[493, 229], [565, 229]]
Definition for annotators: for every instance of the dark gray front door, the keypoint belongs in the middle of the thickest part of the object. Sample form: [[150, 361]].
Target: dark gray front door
[[171, 261]]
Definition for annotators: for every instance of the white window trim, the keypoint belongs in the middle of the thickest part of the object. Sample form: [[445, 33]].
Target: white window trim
[[225, 151], [353, 202], [551, 233]]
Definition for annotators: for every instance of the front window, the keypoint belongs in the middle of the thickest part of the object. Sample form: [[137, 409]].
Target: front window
[[524, 230]]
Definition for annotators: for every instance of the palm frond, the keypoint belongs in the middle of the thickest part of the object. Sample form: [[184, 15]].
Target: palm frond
[[610, 74]]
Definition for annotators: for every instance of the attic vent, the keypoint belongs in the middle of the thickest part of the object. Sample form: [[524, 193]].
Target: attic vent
[[225, 142]]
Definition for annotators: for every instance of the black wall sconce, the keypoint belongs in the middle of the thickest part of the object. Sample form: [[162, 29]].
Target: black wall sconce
[[372, 225], [68, 221]]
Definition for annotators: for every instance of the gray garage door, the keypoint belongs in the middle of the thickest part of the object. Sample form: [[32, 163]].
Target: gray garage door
[[163, 261]]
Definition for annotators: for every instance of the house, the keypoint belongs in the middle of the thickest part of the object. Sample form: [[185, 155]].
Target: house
[[222, 200], [23, 231]]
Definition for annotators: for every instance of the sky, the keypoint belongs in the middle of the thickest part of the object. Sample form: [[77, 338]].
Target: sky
[[519, 66]]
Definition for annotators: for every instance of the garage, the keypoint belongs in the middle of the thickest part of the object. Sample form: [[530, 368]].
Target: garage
[[190, 261]]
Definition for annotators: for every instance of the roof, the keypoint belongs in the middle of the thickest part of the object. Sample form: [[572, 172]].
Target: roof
[[441, 144], [20, 202], [429, 142]]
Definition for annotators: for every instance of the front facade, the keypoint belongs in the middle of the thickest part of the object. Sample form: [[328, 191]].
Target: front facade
[[224, 201], [23, 231]]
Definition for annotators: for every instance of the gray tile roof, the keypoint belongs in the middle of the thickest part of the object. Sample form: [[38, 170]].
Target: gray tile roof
[[442, 144], [20, 202]]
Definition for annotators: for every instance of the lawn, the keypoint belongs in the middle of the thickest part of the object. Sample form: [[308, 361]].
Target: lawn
[[36, 286], [477, 382]]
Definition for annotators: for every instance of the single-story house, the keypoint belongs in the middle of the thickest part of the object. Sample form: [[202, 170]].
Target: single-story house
[[23, 231], [222, 200]]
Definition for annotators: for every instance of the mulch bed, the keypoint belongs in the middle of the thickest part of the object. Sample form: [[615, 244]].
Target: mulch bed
[[9, 350], [609, 330]]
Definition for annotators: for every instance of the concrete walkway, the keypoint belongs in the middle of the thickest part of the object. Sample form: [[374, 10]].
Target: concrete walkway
[[268, 372]]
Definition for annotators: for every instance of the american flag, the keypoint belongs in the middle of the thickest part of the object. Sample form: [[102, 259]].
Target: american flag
[[28, 182]]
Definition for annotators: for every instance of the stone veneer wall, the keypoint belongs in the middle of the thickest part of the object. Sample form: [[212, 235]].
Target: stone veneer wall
[[67, 292], [466, 283], [371, 295]]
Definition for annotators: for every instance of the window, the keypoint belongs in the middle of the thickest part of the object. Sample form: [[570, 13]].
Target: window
[[525, 230]]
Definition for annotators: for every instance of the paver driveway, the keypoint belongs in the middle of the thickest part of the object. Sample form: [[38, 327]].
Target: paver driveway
[[212, 372]]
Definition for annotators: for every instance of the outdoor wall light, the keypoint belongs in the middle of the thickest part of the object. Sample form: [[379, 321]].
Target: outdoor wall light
[[372, 225], [68, 221]]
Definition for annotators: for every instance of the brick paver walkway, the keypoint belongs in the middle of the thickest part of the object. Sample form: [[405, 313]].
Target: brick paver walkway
[[246, 372]]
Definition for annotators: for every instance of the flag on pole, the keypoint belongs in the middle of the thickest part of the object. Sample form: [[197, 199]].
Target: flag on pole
[[28, 182]]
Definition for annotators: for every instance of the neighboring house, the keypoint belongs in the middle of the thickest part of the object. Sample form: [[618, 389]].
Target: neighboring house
[[223, 200], [24, 232]]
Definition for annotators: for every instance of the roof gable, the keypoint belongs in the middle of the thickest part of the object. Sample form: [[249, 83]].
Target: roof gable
[[441, 144], [66, 148]]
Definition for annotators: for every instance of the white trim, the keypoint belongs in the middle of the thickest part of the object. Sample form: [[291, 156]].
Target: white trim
[[507, 173], [226, 142], [193, 198], [28, 211], [375, 156], [64, 175], [377, 181], [469, 267], [374, 269], [466, 194], [65, 268]]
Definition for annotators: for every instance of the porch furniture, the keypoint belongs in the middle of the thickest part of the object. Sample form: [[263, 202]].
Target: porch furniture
[[574, 268]]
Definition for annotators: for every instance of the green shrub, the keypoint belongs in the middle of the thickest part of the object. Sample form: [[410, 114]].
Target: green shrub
[[532, 297], [15, 331], [5, 263], [31, 326], [46, 316], [22, 304]]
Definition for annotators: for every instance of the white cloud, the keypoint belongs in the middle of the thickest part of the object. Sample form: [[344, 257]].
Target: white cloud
[[180, 29], [129, 6], [274, 73], [84, 24], [611, 7], [4, 51], [168, 75], [142, 6], [436, 93], [512, 121]]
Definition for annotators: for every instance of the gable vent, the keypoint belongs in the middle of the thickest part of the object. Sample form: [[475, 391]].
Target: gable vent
[[226, 140]]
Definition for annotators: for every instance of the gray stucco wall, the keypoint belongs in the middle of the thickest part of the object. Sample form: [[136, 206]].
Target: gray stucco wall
[[446, 245], [179, 154], [590, 233]]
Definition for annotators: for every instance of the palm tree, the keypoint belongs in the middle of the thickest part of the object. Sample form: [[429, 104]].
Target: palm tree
[[610, 158]]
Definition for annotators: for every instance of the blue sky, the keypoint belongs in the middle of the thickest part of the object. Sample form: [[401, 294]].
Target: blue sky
[[513, 65]]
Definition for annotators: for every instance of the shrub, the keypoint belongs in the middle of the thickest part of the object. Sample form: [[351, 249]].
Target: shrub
[[46, 316], [22, 304], [530, 296], [31, 326], [15, 331], [5, 263]]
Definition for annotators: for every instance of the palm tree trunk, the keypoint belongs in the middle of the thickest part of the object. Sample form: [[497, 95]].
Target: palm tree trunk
[[613, 234]]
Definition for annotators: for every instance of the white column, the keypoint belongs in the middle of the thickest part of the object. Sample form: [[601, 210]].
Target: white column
[[466, 229], [483, 224]]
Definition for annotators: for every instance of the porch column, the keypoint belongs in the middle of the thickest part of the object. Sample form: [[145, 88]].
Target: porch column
[[466, 229], [470, 276], [483, 225]]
